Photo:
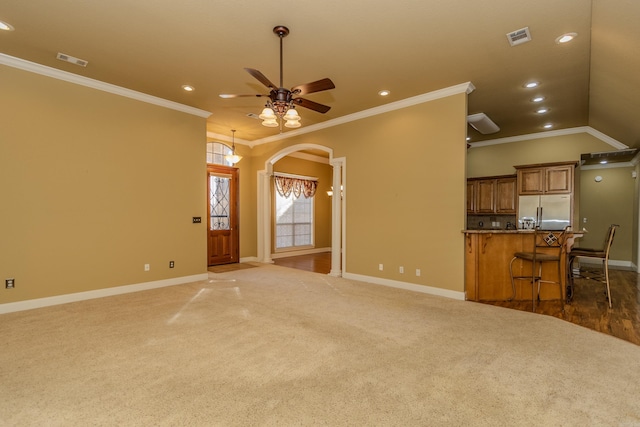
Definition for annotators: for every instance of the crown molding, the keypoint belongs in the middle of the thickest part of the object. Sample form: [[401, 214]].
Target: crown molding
[[227, 138], [467, 88], [44, 70], [553, 133]]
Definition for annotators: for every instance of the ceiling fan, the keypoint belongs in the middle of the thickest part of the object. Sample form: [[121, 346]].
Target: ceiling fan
[[282, 102]]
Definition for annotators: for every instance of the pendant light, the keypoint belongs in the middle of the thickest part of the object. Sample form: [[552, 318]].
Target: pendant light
[[232, 157]]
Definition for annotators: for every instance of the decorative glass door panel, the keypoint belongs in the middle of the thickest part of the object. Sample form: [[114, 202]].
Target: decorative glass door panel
[[219, 201]]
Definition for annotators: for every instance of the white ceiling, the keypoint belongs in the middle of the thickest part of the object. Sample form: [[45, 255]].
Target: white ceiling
[[409, 47]]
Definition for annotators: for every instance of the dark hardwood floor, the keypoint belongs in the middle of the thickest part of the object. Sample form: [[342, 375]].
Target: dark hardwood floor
[[317, 263], [589, 307]]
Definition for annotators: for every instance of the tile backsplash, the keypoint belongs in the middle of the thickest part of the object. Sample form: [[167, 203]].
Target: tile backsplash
[[490, 222]]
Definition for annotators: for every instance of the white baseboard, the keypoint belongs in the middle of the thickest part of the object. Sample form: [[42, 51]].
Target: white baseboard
[[615, 264], [98, 293], [249, 259], [407, 286]]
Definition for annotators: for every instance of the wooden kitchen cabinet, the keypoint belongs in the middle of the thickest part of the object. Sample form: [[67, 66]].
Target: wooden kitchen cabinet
[[491, 195], [552, 178], [506, 198]]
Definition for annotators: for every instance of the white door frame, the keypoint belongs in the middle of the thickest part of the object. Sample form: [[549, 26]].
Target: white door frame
[[337, 206]]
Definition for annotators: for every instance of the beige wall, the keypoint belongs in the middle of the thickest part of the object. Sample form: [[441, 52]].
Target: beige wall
[[404, 190], [93, 187], [610, 201], [321, 201], [500, 159]]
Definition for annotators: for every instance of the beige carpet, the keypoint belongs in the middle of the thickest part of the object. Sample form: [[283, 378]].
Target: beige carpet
[[272, 346]]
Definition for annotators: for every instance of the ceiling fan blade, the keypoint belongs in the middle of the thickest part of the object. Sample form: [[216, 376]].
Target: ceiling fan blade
[[231, 95], [318, 86], [261, 78], [320, 108]]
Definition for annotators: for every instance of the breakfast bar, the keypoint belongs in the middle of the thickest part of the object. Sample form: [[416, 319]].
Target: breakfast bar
[[488, 254]]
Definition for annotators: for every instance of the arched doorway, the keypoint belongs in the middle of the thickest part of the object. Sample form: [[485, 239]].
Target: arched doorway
[[265, 216]]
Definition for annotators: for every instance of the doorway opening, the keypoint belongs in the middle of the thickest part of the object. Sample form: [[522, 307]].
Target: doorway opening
[[265, 207]]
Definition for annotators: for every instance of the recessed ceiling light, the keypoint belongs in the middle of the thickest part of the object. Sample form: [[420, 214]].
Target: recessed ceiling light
[[603, 162], [530, 85], [468, 138], [5, 26], [188, 88], [538, 99], [566, 38], [548, 126], [384, 93], [542, 110]]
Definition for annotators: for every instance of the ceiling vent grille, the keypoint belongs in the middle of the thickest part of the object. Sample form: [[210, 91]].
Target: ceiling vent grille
[[519, 36], [72, 59]]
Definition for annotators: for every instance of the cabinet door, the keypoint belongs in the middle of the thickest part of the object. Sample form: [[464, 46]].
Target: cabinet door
[[486, 196], [506, 195], [558, 180], [530, 181], [471, 196]]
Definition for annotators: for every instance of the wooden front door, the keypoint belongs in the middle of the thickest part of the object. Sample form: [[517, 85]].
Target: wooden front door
[[222, 225]]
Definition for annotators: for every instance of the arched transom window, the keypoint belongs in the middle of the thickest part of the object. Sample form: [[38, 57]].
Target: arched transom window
[[216, 152]]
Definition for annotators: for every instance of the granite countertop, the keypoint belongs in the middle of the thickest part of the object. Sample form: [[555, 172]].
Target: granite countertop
[[503, 231], [495, 231]]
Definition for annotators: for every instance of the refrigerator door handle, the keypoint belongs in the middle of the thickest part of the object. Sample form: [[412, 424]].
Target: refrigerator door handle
[[539, 219]]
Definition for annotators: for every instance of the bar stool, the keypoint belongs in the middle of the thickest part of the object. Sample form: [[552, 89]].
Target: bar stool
[[600, 253], [547, 247]]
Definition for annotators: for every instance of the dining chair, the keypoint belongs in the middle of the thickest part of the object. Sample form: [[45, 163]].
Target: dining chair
[[547, 247], [599, 253]]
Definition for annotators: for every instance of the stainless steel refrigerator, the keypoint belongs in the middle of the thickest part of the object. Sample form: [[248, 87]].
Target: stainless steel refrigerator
[[549, 212]]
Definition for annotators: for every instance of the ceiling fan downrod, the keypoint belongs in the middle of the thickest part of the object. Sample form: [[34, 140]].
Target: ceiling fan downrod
[[281, 31]]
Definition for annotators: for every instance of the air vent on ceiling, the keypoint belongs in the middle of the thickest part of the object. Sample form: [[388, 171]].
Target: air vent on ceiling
[[519, 36], [253, 116], [482, 123], [72, 59]]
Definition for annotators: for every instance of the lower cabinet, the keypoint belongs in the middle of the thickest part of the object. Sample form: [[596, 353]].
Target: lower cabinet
[[487, 259]]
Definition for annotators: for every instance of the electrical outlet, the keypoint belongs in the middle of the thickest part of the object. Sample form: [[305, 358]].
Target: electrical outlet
[[171, 264], [147, 267], [418, 272], [401, 270], [380, 267], [10, 283]]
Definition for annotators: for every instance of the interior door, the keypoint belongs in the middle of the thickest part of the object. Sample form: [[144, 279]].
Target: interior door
[[222, 225]]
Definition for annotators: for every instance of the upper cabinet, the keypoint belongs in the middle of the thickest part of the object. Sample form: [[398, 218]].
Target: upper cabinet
[[552, 178], [491, 195]]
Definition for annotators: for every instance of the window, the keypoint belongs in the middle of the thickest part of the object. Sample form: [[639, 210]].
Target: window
[[216, 152], [294, 217]]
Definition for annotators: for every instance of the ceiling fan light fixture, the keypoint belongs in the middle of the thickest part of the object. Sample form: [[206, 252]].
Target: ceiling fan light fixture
[[270, 123], [292, 114], [267, 114], [292, 124]]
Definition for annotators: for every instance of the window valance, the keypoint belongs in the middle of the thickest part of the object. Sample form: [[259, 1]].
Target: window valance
[[285, 185]]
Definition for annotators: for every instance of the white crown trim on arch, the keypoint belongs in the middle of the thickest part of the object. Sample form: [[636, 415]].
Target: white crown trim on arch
[[265, 211]]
